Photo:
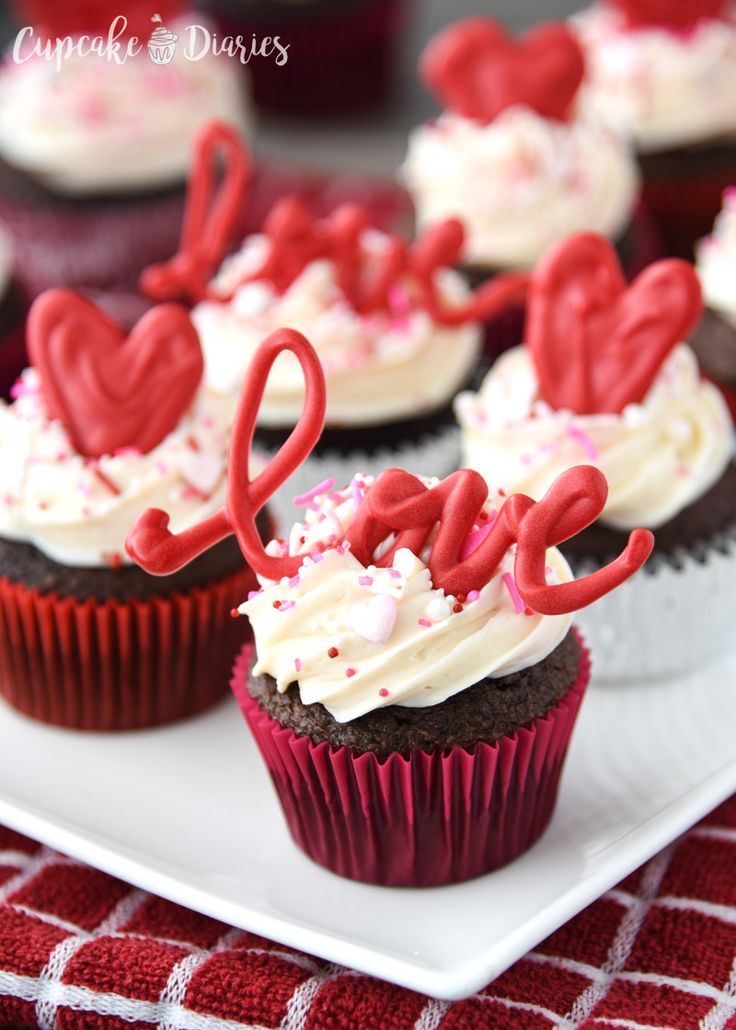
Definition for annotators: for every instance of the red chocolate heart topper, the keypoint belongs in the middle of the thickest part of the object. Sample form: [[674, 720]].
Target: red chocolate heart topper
[[598, 344], [398, 504], [477, 70], [296, 238], [111, 391], [673, 14]]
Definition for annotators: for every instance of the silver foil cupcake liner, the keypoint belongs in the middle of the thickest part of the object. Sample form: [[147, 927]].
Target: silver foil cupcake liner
[[674, 616]]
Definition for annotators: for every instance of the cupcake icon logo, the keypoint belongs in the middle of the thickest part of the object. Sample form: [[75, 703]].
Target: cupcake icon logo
[[162, 43]]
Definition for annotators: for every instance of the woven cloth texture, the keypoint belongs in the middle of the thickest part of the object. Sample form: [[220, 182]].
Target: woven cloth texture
[[80, 950]]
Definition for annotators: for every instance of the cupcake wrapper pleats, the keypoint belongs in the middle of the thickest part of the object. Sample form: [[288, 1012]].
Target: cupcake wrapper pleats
[[119, 665], [420, 820]]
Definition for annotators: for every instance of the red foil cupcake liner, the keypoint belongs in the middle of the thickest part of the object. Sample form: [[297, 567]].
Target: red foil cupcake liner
[[119, 665], [423, 819]]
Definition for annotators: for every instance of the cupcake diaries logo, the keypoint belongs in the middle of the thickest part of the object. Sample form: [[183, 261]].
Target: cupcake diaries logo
[[193, 42]]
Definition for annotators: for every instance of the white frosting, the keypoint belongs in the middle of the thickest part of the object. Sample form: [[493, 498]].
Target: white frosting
[[658, 456], [520, 183], [53, 497], [97, 126], [378, 367], [398, 639], [659, 88], [715, 259]]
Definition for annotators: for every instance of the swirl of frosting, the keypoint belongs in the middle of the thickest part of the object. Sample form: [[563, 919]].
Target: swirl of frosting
[[658, 87], [658, 456], [78, 511], [379, 367], [97, 126], [715, 260], [520, 183], [356, 639]]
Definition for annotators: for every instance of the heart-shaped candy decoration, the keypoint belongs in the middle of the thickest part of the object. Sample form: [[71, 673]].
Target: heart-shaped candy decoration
[[597, 343], [108, 390], [374, 619], [477, 70], [674, 14]]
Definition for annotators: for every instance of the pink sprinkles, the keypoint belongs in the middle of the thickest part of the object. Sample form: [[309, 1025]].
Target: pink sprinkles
[[307, 498], [510, 584], [383, 692], [365, 581], [424, 622], [580, 437], [285, 605], [298, 664], [350, 672]]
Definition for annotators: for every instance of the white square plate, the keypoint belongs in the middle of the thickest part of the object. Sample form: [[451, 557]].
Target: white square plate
[[189, 813]]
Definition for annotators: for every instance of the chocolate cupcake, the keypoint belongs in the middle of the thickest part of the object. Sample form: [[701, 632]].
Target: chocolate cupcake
[[507, 155], [664, 75], [714, 340], [94, 153], [605, 378], [416, 679], [101, 427], [396, 328]]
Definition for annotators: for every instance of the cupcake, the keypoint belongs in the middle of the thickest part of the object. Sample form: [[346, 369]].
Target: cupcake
[[13, 310], [101, 426], [318, 57], [415, 679], [664, 74], [508, 155], [95, 153], [714, 340], [397, 330], [605, 378]]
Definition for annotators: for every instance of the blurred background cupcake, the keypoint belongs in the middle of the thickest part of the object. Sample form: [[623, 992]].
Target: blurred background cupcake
[[101, 427], [95, 152], [714, 340], [13, 309], [605, 378], [507, 155], [664, 75], [333, 57]]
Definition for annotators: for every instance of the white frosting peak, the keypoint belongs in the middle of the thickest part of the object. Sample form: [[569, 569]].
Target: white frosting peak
[[98, 126], [716, 261], [379, 367], [520, 183], [658, 456], [358, 639], [79, 511], [658, 87]]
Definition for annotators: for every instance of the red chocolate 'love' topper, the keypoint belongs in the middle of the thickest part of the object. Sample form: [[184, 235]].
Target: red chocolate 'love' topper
[[108, 390], [398, 504], [477, 70], [673, 14], [295, 238], [210, 218], [597, 344], [94, 17]]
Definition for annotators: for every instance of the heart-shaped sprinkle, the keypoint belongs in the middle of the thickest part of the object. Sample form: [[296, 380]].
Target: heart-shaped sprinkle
[[673, 14], [201, 470], [109, 390], [597, 343], [477, 70], [374, 619]]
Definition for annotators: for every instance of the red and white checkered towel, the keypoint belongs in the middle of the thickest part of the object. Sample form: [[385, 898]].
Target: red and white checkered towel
[[80, 950]]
